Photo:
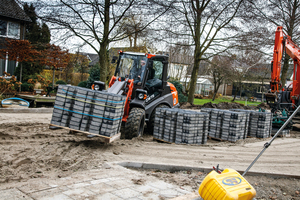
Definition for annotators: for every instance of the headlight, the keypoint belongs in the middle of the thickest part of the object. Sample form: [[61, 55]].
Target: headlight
[[97, 87], [141, 96]]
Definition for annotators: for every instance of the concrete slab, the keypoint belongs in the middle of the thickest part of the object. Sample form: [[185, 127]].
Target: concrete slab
[[13, 194], [101, 188], [119, 183], [106, 196], [79, 193], [54, 193], [126, 193]]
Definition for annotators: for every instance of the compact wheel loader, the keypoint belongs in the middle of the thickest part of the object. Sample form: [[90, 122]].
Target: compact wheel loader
[[142, 78]]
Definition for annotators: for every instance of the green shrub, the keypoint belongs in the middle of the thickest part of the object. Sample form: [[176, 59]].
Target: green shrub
[[26, 87], [181, 97], [94, 75], [82, 84], [60, 82]]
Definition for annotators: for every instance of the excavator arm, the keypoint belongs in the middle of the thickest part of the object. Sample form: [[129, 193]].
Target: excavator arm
[[284, 43]]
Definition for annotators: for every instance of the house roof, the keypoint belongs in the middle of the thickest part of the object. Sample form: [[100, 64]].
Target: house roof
[[199, 80], [93, 57], [10, 9]]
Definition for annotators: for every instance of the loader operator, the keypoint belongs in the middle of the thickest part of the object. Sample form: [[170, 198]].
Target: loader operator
[[140, 73]]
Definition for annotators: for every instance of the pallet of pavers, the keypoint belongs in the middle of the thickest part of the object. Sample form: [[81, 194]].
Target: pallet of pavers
[[233, 126], [180, 126], [88, 111], [259, 123], [225, 125]]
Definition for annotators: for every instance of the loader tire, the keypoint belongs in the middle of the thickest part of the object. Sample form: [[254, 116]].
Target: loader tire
[[134, 126], [150, 123]]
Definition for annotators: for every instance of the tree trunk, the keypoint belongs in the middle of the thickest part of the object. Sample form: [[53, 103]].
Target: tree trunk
[[216, 88], [234, 93], [103, 62], [53, 78], [135, 40], [263, 91], [194, 78], [197, 55], [20, 76]]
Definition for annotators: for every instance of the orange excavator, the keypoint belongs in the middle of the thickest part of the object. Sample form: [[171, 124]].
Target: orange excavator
[[284, 98]]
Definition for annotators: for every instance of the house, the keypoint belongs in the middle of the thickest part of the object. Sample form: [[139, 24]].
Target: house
[[203, 85], [12, 25], [261, 84], [92, 57], [179, 66]]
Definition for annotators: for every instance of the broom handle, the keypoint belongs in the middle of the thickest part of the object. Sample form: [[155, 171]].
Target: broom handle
[[266, 145]]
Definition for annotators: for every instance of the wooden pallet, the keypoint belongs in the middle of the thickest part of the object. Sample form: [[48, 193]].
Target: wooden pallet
[[214, 138], [103, 138], [160, 140]]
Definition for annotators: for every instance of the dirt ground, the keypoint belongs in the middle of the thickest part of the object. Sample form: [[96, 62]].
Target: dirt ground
[[29, 149]]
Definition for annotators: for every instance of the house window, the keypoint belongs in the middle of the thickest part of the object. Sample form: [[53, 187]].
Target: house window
[[3, 26], [10, 29], [8, 66], [261, 89], [11, 66], [13, 30]]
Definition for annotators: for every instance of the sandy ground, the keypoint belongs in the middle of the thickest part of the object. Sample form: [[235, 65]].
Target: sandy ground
[[29, 149]]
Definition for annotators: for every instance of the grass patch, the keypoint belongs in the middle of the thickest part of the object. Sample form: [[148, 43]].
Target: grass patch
[[220, 100]]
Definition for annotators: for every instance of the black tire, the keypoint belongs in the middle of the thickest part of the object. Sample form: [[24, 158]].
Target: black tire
[[150, 123], [134, 127]]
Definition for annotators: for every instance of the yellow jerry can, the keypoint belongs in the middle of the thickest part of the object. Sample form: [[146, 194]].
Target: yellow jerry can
[[229, 185]]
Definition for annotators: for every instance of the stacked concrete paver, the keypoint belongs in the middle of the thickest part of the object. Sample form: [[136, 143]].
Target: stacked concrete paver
[[233, 126], [88, 110], [191, 127], [259, 123], [181, 126]]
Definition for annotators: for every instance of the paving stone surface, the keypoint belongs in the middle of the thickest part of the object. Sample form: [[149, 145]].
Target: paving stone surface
[[113, 182]]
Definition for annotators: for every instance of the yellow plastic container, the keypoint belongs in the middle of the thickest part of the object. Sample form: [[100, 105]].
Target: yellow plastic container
[[229, 185]]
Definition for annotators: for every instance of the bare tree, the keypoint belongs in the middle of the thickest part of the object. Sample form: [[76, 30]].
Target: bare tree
[[208, 24], [245, 61], [220, 69], [95, 22], [180, 58], [134, 27], [267, 15]]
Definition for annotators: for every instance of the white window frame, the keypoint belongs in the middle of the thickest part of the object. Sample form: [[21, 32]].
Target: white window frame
[[8, 24], [260, 89]]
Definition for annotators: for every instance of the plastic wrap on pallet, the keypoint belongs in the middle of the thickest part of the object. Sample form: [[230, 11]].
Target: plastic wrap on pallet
[[233, 126], [215, 124], [191, 127], [259, 123], [180, 126], [159, 123], [88, 110]]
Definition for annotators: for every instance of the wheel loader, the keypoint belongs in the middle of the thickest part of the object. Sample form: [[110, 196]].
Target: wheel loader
[[142, 78]]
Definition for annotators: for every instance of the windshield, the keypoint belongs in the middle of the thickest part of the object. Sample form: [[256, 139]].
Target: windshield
[[132, 66]]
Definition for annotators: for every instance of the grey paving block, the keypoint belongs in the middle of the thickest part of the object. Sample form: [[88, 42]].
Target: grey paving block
[[126, 193], [13, 194]]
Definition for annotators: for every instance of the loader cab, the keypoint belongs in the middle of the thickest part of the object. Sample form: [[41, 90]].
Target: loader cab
[[149, 73]]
